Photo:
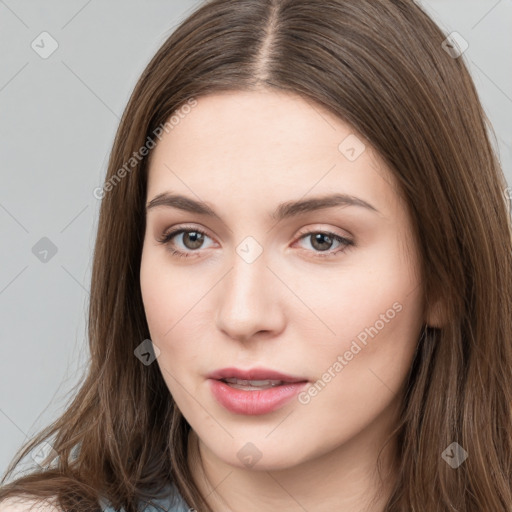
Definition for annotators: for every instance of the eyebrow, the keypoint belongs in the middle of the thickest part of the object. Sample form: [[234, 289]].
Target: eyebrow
[[283, 211]]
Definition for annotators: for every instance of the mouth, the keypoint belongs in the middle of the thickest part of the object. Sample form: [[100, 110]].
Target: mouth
[[256, 391]]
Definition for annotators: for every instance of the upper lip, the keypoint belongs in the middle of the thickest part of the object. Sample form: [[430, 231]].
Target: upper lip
[[253, 374]]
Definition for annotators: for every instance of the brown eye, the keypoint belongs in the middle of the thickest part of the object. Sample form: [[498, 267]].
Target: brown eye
[[191, 241], [322, 242]]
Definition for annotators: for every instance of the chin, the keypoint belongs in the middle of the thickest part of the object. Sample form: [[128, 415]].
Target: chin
[[263, 456]]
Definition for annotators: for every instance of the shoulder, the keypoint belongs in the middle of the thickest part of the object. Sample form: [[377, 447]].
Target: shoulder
[[173, 503], [26, 505]]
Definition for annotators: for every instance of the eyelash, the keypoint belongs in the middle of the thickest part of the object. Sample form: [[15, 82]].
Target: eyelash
[[167, 237]]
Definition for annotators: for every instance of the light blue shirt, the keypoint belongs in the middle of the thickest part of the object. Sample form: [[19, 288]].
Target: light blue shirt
[[173, 503]]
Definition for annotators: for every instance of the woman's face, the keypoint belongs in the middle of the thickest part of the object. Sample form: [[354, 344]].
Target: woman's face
[[270, 286]]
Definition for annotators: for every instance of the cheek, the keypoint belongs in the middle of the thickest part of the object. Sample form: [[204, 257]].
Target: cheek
[[361, 373], [373, 312], [380, 336], [167, 293], [369, 296], [174, 306]]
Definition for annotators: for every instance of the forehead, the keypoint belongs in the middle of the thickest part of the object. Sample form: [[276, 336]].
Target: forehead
[[255, 120], [266, 144]]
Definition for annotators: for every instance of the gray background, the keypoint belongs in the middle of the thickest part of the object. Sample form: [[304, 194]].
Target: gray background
[[58, 118]]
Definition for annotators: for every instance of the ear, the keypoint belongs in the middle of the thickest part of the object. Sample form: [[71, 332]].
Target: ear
[[436, 315]]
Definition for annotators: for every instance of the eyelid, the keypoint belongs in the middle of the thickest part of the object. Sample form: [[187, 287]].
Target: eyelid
[[176, 230], [302, 231], [316, 229]]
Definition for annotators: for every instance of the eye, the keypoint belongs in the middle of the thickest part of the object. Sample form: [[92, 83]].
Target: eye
[[322, 241], [193, 240]]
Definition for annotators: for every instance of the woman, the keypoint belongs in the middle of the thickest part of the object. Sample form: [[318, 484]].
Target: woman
[[301, 287]]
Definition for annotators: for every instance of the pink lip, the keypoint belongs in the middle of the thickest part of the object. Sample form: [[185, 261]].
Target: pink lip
[[253, 374], [255, 402]]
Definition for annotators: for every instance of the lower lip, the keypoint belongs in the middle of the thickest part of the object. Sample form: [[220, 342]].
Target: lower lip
[[256, 402]]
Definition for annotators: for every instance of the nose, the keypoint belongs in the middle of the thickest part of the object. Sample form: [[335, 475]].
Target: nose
[[249, 301]]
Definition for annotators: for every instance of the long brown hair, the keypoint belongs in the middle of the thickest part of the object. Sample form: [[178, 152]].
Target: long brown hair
[[379, 65]]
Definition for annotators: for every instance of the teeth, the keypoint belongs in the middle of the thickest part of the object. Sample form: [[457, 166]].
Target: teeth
[[253, 383]]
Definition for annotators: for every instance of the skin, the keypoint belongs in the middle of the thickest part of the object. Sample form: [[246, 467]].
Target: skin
[[290, 310]]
